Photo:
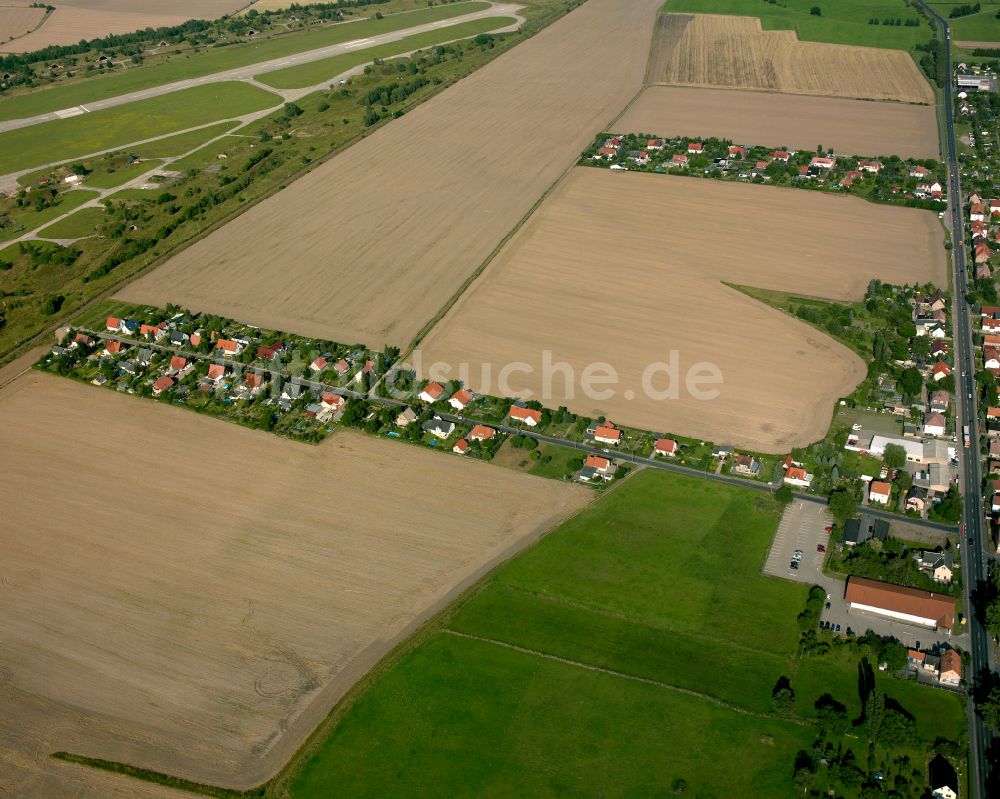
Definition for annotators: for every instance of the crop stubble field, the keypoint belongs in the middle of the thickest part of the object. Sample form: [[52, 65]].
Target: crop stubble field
[[201, 614], [17, 21], [623, 268], [74, 20], [855, 127], [734, 52], [371, 245]]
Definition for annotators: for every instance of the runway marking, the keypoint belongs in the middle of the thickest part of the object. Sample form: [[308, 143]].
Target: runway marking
[[75, 111]]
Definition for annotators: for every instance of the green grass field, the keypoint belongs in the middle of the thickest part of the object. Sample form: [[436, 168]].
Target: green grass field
[[635, 645], [82, 223], [841, 22], [214, 60], [183, 142], [64, 139], [981, 27], [67, 202], [316, 72], [103, 179]]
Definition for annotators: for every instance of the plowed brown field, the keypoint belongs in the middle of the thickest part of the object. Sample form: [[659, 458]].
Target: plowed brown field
[[17, 21], [74, 20], [193, 597], [734, 52], [858, 127], [371, 245], [624, 268]]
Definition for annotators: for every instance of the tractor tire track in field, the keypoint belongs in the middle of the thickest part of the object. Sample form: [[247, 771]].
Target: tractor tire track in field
[[631, 677]]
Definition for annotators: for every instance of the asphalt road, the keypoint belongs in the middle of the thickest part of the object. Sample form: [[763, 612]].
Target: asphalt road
[[248, 72], [973, 567]]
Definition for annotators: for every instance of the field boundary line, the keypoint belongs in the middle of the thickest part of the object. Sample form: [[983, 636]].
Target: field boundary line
[[631, 677], [612, 614]]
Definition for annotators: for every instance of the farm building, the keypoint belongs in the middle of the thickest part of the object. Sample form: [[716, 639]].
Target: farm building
[[908, 605]]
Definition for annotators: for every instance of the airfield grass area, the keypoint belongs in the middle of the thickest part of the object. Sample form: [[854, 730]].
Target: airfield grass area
[[83, 223], [105, 179], [841, 22], [63, 139], [219, 59], [316, 72], [67, 202], [636, 645]]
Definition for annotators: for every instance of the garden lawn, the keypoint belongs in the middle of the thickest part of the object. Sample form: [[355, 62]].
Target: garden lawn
[[462, 718], [840, 22], [218, 59], [76, 226], [63, 139], [328, 68], [67, 202]]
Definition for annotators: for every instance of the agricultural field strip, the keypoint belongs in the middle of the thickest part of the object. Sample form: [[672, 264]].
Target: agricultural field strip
[[469, 419], [251, 71], [624, 675]]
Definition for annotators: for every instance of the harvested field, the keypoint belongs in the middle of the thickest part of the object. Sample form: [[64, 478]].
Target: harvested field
[[201, 615], [975, 45], [74, 20], [734, 52], [625, 268], [17, 21], [857, 127], [371, 245]]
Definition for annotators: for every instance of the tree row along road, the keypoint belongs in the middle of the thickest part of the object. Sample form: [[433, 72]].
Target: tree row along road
[[589, 449], [973, 570], [248, 72]]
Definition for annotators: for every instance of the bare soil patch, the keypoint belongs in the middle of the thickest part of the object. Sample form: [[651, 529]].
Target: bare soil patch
[[623, 268], [74, 20], [193, 597], [855, 127], [735, 52], [17, 21], [370, 246]]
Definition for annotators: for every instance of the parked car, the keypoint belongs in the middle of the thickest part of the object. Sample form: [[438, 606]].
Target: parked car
[[793, 565], [828, 529], [820, 548], [797, 554], [827, 605], [838, 628]]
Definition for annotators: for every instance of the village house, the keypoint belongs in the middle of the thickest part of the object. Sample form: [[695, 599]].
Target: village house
[[879, 492], [982, 253], [918, 171], [527, 416], [977, 213], [334, 403], [679, 161], [781, 155], [858, 531], [939, 348], [797, 476], [268, 351], [253, 383], [737, 151], [177, 364], [666, 447], [153, 332], [162, 385], [940, 370], [950, 668], [655, 144], [113, 348], [695, 148], [870, 166], [939, 565], [991, 325], [596, 468], [746, 464], [934, 424], [460, 399], [216, 372], [228, 347], [431, 392], [481, 433], [318, 364], [823, 162], [849, 177], [407, 417], [341, 367], [439, 427], [461, 447], [608, 434], [916, 499]]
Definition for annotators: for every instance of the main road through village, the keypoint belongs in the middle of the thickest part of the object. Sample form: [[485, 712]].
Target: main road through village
[[973, 549]]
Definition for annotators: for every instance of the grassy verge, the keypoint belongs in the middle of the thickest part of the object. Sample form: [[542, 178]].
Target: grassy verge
[[67, 202], [316, 72], [63, 139], [210, 60], [842, 22], [82, 223]]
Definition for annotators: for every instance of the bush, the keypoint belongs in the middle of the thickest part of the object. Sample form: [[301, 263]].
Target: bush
[[52, 304], [816, 11]]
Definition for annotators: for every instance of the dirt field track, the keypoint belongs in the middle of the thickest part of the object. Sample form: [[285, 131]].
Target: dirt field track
[[17, 21], [857, 127], [370, 246], [74, 20], [191, 596], [734, 52], [623, 268]]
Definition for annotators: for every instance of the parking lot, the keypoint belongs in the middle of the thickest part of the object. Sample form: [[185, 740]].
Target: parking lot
[[803, 527]]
